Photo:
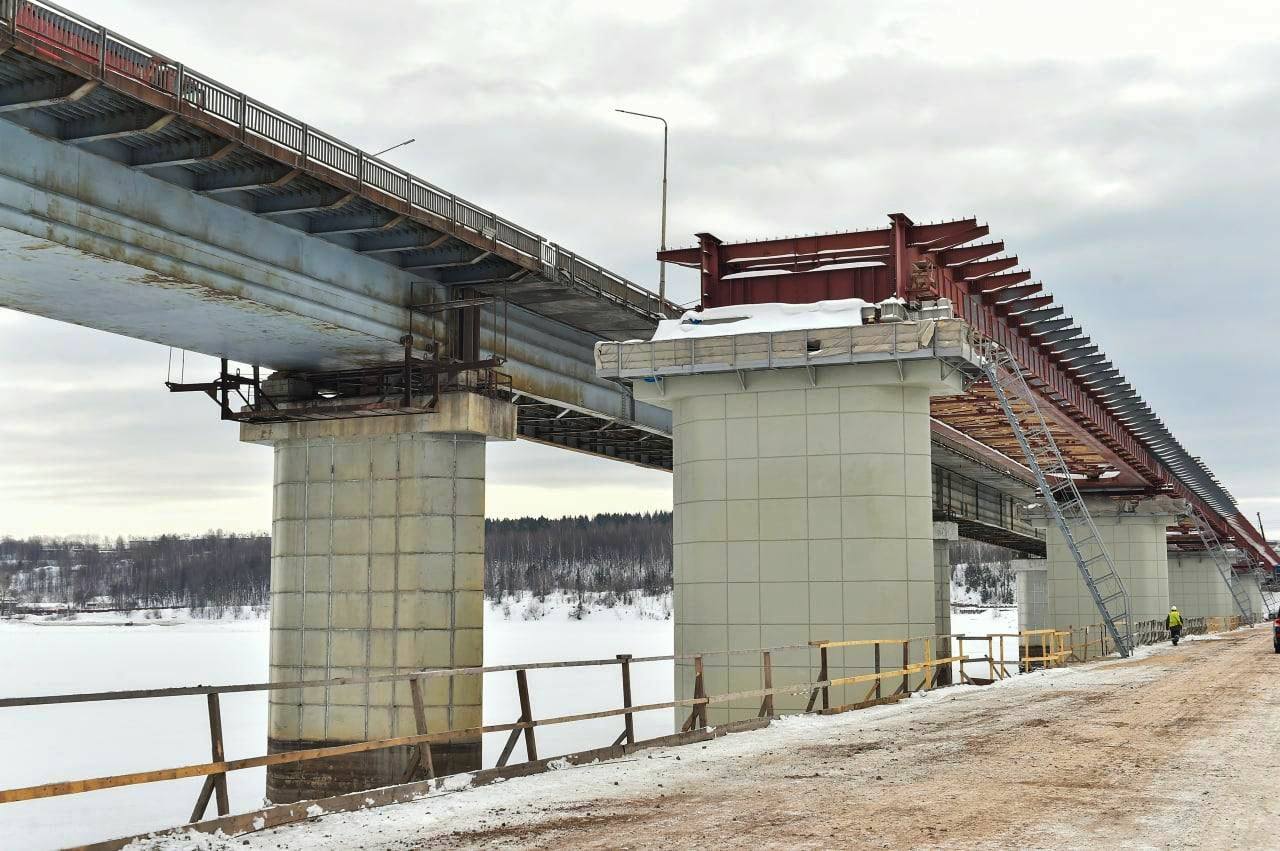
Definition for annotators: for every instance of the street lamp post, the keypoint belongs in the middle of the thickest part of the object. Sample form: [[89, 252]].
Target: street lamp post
[[393, 147], [662, 266]]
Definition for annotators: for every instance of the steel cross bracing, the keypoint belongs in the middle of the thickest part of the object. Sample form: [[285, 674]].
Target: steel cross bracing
[[1058, 489], [1223, 561]]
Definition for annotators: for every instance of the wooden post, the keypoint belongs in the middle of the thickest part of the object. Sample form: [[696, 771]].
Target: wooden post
[[420, 722], [928, 664], [878, 679], [629, 729], [214, 783], [699, 691], [906, 655], [766, 705], [959, 643], [526, 715], [822, 677]]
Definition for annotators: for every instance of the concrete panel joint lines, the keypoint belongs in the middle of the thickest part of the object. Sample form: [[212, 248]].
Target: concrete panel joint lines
[[801, 513], [1134, 534], [377, 568]]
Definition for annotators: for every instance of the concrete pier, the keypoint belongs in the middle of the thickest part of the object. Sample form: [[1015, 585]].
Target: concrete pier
[[1196, 587], [943, 535], [802, 512], [1134, 532], [377, 567], [1032, 576]]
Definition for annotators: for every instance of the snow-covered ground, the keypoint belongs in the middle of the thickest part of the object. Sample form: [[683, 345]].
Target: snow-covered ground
[[111, 651], [984, 621]]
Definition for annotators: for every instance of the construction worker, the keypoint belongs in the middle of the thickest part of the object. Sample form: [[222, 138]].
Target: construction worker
[[1174, 624]]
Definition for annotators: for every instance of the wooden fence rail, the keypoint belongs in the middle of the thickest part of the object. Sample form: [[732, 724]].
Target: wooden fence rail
[[1056, 647]]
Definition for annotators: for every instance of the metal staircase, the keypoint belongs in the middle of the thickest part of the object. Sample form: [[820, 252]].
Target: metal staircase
[[1061, 497], [1214, 547]]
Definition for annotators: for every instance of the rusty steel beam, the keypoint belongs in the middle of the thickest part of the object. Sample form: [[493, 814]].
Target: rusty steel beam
[[308, 202], [243, 180], [114, 126], [24, 96], [361, 223], [181, 153]]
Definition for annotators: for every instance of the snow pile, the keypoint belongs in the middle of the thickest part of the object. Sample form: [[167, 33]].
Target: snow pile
[[763, 318]]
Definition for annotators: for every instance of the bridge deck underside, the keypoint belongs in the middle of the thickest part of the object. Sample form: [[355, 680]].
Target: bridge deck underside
[[48, 82], [110, 275]]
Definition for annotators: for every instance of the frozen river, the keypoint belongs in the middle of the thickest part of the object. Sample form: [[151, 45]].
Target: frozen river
[[45, 744]]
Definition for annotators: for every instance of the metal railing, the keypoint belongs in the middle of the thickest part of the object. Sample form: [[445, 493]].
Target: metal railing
[[53, 26], [924, 663], [925, 667]]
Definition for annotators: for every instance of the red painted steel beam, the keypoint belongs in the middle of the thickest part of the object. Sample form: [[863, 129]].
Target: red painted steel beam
[[969, 253], [935, 255], [681, 256], [919, 235], [977, 269], [991, 283], [800, 245]]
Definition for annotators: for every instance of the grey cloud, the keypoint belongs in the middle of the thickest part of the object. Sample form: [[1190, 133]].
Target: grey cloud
[[1137, 181]]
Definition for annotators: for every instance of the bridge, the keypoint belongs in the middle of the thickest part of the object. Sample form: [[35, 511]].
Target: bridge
[[404, 326]]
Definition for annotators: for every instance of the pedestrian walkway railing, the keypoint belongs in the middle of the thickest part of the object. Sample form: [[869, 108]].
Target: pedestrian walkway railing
[[57, 32], [899, 667]]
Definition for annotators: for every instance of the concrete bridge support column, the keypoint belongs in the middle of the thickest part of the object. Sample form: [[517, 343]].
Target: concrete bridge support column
[[1134, 533], [1032, 576], [1252, 593], [377, 567], [803, 512], [1196, 587], [943, 535]]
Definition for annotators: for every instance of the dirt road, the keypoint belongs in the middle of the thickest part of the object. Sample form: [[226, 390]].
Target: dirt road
[[1177, 748]]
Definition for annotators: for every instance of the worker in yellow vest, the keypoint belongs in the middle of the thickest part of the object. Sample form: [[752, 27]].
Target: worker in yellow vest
[[1174, 623]]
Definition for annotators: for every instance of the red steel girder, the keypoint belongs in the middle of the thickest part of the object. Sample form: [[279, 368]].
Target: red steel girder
[[931, 261]]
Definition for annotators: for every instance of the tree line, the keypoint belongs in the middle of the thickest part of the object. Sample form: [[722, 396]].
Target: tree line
[[613, 553], [620, 555]]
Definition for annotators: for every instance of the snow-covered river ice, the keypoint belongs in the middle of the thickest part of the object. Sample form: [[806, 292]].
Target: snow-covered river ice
[[100, 653]]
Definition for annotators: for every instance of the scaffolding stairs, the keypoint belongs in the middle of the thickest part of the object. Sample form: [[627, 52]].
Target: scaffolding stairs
[[1058, 489], [1222, 560]]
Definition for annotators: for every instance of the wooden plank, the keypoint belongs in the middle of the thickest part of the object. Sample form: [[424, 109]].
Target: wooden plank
[[526, 714], [699, 693], [906, 655], [218, 753], [509, 746], [877, 669], [766, 705], [420, 723], [277, 816], [628, 726]]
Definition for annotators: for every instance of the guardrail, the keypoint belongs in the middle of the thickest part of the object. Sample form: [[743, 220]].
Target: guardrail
[[929, 669], [54, 26], [936, 658]]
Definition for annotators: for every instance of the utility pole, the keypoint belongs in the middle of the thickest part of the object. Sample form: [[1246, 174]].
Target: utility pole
[[662, 266]]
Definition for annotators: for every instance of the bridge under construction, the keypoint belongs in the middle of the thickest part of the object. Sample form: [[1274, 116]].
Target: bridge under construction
[[391, 329]]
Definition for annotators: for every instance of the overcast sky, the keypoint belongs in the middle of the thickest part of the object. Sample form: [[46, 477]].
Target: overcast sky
[[1126, 152]]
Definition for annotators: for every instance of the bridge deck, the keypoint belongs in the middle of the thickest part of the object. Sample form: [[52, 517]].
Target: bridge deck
[[81, 83]]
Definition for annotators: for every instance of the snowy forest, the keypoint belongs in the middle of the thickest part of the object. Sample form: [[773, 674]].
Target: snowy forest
[[612, 554]]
